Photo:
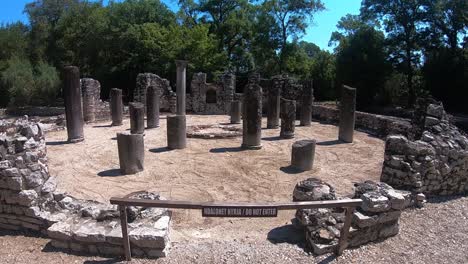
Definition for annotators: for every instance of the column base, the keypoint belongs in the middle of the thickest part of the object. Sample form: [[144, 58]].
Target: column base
[[251, 147]]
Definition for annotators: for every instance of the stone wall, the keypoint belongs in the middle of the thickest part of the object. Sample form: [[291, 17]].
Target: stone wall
[[377, 124], [433, 159], [167, 95], [211, 98], [376, 219], [29, 201]]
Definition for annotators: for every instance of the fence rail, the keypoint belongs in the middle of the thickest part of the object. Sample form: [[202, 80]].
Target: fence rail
[[348, 204]]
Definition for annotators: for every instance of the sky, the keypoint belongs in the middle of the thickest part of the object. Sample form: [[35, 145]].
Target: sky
[[319, 32]]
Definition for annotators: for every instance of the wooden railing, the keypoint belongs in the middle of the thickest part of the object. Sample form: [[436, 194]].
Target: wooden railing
[[237, 210]]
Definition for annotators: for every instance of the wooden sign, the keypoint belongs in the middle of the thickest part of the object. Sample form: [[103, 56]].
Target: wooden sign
[[220, 211]]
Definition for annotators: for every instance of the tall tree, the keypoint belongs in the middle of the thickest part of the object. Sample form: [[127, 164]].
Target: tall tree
[[403, 20], [291, 17], [360, 58]]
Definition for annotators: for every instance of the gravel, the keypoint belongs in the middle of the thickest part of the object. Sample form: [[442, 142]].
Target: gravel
[[438, 233]]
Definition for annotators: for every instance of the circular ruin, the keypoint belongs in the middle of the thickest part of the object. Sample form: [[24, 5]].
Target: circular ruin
[[217, 131]]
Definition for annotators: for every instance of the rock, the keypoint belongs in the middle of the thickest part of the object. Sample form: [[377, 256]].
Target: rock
[[33, 180], [374, 202], [435, 111], [49, 186], [313, 190], [148, 237], [27, 197]]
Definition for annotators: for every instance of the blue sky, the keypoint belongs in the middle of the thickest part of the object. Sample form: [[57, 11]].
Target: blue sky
[[318, 33]]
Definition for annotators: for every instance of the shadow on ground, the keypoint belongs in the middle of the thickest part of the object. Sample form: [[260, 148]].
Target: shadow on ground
[[224, 150], [160, 150], [110, 173], [57, 143], [287, 234], [331, 142], [99, 126], [50, 249], [290, 170], [275, 138]]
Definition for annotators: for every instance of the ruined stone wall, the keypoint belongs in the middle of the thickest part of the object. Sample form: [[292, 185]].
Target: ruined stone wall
[[29, 201], [211, 98], [376, 219], [434, 160], [378, 124], [167, 95]]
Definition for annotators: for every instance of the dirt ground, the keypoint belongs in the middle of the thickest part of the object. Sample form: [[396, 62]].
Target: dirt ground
[[217, 170], [211, 170]]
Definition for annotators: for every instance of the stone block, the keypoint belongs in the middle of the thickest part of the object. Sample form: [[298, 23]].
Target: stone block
[[60, 231], [27, 198], [389, 230], [33, 179], [362, 220], [110, 250], [148, 237], [375, 202], [15, 183]]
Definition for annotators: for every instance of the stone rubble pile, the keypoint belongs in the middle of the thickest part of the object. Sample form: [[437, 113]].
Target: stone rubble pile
[[29, 201], [376, 219], [434, 161]]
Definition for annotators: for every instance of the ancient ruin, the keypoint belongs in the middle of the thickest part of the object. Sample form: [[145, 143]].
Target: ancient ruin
[[347, 114], [288, 118], [131, 147], [152, 107], [116, 106], [176, 132], [91, 92], [73, 106], [307, 101], [236, 108], [303, 154], [252, 117], [137, 118]]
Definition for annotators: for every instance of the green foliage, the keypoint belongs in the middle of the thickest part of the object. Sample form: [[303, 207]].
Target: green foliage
[[25, 87], [360, 59]]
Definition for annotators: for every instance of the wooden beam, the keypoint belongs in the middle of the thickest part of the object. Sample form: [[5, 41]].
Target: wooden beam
[[343, 242], [200, 205], [125, 238]]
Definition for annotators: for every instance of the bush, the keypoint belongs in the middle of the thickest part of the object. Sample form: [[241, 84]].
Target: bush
[[29, 86]]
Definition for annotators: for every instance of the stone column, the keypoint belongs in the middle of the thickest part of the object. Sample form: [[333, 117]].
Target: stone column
[[131, 152], [274, 101], [91, 90], [137, 118], [181, 82], [176, 132], [347, 114], [307, 101], [152, 107], [252, 117], [236, 112], [303, 153], [116, 106], [288, 118], [73, 105]]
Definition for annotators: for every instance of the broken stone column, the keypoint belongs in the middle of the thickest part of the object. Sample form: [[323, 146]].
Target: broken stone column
[[181, 82], [131, 152], [274, 101], [252, 117], [347, 114], [73, 106], [303, 153], [321, 226], [91, 90], [116, 106], [152, 107], [137, 118], [307, 101], [288, 118], [236, 112], [176, 132]]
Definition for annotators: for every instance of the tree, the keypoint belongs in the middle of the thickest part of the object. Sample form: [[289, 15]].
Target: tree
[[402, 20], [360, 58], [43, 16], [291, 19]]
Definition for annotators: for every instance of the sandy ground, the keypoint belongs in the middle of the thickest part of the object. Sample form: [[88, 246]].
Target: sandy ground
[[211, 170], [216, 170]]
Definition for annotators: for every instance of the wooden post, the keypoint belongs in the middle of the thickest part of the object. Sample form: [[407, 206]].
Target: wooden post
[[125, 239], [343, 243]]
